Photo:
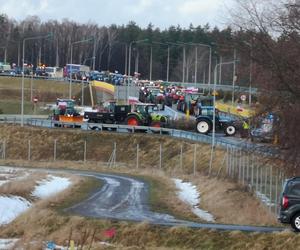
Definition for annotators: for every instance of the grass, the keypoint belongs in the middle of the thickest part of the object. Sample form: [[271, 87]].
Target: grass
[[77, 193], [47, 91], [22, 187]]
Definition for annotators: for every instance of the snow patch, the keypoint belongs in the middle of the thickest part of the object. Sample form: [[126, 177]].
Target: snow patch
[[188, 193], [264, 199], [50, 186], [11, 207], [7, 243]]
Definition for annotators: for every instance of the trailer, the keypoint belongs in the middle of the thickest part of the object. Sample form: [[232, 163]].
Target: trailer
[[140, 114]]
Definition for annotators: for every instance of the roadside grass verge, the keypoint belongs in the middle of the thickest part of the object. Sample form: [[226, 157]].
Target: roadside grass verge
[[22, 186], [79, 191]]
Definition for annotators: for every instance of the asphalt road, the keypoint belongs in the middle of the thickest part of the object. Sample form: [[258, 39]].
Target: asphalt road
[[126, 198]]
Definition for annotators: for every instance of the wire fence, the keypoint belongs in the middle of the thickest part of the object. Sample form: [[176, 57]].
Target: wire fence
[[255, 172]]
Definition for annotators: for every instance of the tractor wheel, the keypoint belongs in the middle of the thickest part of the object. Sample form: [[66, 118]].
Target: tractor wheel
[[230, 130], [203, 126], [132, 121]]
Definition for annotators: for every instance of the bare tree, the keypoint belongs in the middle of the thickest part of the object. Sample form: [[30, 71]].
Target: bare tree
[[273, 27]]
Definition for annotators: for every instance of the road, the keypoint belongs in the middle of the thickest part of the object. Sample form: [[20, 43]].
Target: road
[[126, 198]]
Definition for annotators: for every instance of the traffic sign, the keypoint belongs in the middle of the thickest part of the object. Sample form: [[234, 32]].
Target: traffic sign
[[243, 97]]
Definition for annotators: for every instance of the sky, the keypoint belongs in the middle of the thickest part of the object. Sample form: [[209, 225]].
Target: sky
[[161, 13]]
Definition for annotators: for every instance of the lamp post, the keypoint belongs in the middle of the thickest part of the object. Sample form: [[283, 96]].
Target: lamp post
[[196, 62], [77, 42], [129, 63], [214, 112], [5, 53], [23, 59], [250, 71]]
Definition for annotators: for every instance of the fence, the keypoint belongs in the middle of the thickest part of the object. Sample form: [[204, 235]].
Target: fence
[[257, 172], [249, 169]]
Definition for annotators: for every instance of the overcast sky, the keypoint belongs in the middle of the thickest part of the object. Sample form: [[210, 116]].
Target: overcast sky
[[161, 13]]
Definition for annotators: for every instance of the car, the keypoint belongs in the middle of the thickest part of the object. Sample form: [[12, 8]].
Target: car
[[289, 212]]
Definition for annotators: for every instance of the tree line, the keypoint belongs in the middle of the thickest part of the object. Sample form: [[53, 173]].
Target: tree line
[[112, 47]]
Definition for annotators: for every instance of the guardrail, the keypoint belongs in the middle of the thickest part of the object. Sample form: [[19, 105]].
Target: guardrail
[[193, 136]]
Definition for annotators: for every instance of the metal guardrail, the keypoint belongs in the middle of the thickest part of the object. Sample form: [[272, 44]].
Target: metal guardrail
[[193, 136]]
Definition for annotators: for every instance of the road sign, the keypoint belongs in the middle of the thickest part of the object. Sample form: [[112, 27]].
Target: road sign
[[243, 97]]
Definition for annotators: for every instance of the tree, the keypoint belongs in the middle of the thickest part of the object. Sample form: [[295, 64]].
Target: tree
[[274, 29]]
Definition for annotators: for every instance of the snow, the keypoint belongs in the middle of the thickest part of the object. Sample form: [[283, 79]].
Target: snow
[[6, 244], [264, 199], [50, 186], [8, 174], [188, 193], [11, 207]]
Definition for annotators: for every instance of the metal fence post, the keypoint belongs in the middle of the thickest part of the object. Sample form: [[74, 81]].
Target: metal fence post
[[84, 152], [240, 165], [261, 179], [3, 149], [257, 174], [29, 150], [54, 150], [271, 185], [160, 156], [266, 180], [195, 151], [252, 171], [181, 157], [137, 155], [276, 192], [115, 154], [227, 161]]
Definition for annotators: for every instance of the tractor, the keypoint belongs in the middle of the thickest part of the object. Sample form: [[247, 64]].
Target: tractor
[[204, 122], [65, 112], [145, 114]]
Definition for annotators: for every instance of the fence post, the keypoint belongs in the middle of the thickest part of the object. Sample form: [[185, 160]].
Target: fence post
[[271, 185], [181, 157], [160, 156], [29, 150], [84, 152], [195, 151], [276, 192], [257, 174], [261, 179], [266, 180], [227, 161], [54, 150], [3, 149], [252, 171], [240, 166], [115, 154], [137, 155]]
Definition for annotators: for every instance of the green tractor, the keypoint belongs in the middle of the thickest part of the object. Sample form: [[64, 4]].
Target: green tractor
[[144, 114]]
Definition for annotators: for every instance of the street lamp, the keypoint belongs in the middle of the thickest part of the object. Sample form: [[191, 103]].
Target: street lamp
[[129, 63], [250, 71], [214, 112], [23, 59], [196, 61], [70, 82], [5, 53]]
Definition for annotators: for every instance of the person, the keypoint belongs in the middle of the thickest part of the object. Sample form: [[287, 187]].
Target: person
[[245, 129]]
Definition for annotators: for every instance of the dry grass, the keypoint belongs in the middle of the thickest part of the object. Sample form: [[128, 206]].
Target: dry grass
[[232, 203], [70, 146], [22, 186]]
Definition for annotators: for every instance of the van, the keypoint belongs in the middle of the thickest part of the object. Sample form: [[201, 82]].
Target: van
[[289, 212]]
